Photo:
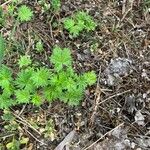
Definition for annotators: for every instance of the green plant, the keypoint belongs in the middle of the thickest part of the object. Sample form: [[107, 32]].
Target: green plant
[[79, 22], [15, 143], [35, 85], [49, 130], [24, 61], [45, 5], [25, 13], [39, 46], [94, 47], [56, 5], [6, 87]]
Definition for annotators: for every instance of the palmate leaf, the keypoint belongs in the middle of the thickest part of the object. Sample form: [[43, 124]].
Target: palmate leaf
[[40, 77], [89, 23], [59, 80], [51, 93], [24, 61], [5, 102], [70, 84], [79, 22], [69, 23], [60, 58], [25, 13], [2, 48], [72, 97], [23, 80], [56, 4], [89, 78], [5, 76], [22, 96], [36, 99]]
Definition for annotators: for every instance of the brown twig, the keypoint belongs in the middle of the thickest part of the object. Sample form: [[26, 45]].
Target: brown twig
[[6, 3], [24, 122], [118, 94], [96, 99], [35, 137]]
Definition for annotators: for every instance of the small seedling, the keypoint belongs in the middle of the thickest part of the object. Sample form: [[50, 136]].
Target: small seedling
[[24, 61], [56, 5], [94, 47], [79, 22], [39, 46], [25, 13], [49, 131], [15, 143]]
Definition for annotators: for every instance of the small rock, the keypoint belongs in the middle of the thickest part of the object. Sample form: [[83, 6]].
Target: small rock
[[117, 68], [139, 118]]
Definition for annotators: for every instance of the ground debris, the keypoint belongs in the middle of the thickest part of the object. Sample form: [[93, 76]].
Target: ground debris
[[117, 68]]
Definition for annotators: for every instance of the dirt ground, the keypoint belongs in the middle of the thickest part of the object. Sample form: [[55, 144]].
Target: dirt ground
[[115, 112]]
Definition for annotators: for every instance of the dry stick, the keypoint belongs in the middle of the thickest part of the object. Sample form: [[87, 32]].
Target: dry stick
[[24, 122], [35, 137], [6, 3], [118, 94], [96, 99], [51, 31], [125, 14], [6, 136], [124, 6], [102, 137], [24, 106]]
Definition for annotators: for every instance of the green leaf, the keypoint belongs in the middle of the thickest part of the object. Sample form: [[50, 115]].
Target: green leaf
[[7, 116], [22, 96], [89, 77], [5, 77], [59, 80], [2, 48], [36, 99], [56, 5], [71, 84], [79, 22], [40, 77], [69, 23], [51, 93], [5, 102], [39, 46], [24, 61], [25, 13], [61, 58], [81, 15], [23, 80], [14, 145], [73, 97], [24, 140]]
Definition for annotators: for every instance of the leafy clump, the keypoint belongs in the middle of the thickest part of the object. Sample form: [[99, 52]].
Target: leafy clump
[[39, 46], [24, 61], [6, 87], [36, 85], [79, 22], [25, 13], [56, 5], [61, 58]]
